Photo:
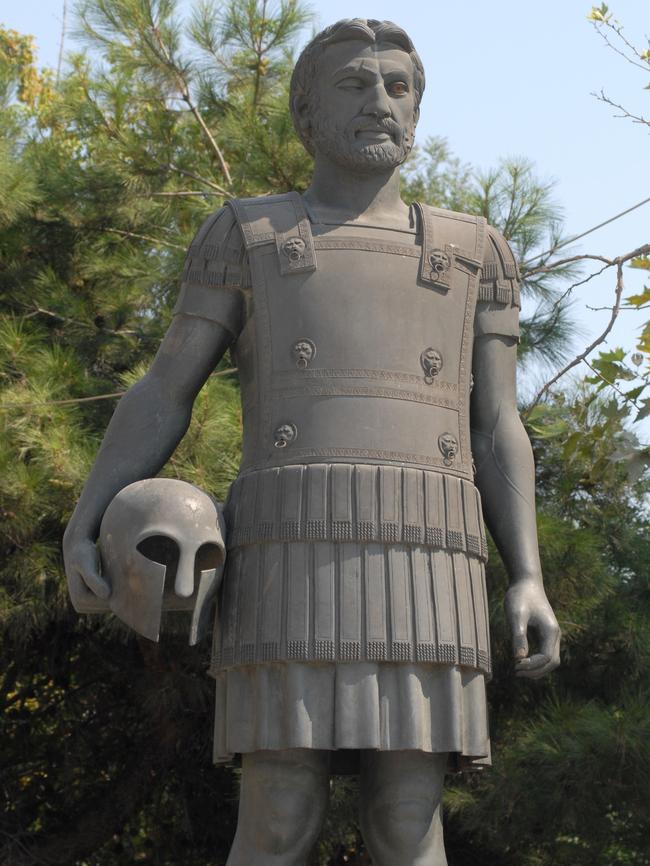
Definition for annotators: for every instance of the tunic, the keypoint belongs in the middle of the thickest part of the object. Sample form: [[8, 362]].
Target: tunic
[[353, 611]]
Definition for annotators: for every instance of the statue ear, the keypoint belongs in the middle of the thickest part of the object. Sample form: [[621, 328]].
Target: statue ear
[[302, 113]]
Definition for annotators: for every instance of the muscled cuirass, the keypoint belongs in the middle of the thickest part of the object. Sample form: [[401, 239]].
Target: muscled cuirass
[[357, 351], [355, 372]]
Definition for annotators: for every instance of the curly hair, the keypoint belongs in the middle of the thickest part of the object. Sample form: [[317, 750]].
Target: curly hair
[[363, 29]]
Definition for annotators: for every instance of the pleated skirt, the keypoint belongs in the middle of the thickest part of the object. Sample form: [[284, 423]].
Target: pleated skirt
[[351, 602], [346, 707]]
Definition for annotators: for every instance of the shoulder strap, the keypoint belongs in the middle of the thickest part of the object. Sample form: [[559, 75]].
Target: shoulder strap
[[281, 219], [449, 239]]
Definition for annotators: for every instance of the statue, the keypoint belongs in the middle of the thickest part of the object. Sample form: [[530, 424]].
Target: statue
[[376, 347]]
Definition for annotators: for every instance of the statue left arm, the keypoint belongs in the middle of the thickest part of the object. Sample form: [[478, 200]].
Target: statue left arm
[[505, 478]]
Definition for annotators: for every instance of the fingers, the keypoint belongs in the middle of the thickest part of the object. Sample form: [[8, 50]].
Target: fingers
[[536, 666], [542, 663], [518, 619], [84, 578], [520, 642], [88, 567]]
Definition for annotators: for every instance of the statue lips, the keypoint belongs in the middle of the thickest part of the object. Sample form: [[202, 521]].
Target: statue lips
[[375, 133], [384, 130]]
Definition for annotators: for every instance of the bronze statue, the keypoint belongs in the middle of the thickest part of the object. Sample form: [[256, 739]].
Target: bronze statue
[[352, 626]]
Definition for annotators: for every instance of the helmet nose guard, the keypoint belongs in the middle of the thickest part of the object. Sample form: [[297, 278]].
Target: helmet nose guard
[[162, 548]]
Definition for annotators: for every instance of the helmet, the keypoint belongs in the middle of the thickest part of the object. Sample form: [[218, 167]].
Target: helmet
[[162, 548]]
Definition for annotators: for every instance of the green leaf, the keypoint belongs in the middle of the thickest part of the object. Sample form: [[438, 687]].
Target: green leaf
[[639, 300], [599, 13], [635, 393], [642, 262], [645, 411]]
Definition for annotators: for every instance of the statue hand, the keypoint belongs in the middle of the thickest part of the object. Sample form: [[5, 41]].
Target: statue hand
[[88, 589], [527, 605]]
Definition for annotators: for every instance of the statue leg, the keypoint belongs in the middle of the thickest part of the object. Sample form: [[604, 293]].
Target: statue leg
[[401, 813], [282, 803]]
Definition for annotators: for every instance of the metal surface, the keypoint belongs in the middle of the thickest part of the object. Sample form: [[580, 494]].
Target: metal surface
[[156, 538]]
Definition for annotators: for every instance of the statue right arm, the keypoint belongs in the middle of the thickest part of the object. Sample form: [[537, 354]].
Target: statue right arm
[[152, 417], [148, 423]]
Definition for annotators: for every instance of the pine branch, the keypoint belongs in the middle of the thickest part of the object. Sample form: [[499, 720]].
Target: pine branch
[[145, 238], [193, 176], [36, 311], [72, 400], [184, 89], [184, 193]]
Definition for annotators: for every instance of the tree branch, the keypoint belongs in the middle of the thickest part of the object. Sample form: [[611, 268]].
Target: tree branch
[[184, 88], [582, 282], [197, 177], [612, 385], [635, 118], [145, 238], [619, 32], [618, 262], [36, 311], [180, 193]]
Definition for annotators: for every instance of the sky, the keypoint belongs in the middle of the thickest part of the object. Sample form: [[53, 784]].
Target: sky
[[512, 78]]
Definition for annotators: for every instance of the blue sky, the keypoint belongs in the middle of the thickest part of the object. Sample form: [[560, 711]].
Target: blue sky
[[510, 78]]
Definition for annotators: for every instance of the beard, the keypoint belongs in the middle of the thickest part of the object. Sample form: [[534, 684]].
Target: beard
[[341, 144]]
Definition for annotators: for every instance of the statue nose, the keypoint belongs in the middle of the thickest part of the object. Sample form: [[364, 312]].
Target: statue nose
[[378, 104], [184, 582]]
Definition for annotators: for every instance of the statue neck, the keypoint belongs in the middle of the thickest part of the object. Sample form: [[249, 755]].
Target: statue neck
[[343, 195]]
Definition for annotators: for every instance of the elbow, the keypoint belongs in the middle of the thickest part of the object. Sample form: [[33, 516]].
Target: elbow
[[158, 401]]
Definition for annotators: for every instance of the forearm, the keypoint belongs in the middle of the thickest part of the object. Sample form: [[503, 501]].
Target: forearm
[[146, 427], [506, 480]]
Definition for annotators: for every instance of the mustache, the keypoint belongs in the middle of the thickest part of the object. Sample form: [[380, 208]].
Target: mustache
[[385, 124]]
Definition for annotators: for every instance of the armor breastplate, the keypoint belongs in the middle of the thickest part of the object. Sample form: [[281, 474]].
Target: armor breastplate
[[358, 349], [355, 528]]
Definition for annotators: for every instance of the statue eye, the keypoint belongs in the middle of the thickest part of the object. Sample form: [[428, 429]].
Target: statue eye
[[350, 84], [398, 88]]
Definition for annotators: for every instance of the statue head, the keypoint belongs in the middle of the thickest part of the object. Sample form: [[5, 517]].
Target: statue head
[[449, 446], [294, 248], [355, 94], [284, 435], [431, 361], [303, 351]]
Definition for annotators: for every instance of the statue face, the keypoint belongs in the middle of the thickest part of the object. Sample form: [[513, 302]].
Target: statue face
[[294, 248], [284, 435], [448, 446], [440, 261], [364, 113], [303, 351], [431, 362]]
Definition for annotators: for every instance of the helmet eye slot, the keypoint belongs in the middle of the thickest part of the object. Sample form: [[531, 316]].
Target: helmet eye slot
[[162, 549], [208, 556]]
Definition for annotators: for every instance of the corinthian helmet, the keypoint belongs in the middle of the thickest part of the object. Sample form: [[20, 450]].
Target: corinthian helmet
[[162, 548]]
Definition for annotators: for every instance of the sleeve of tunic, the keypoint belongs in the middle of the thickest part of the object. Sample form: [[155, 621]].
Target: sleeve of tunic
[[497, 310], [216, 277]]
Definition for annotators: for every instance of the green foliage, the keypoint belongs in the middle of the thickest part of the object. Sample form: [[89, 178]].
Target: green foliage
[[569, 781], [600, 14], [512, 198], [103, 182]]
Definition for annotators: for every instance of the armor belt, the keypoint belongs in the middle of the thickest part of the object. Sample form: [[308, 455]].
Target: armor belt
[[366, 503]]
